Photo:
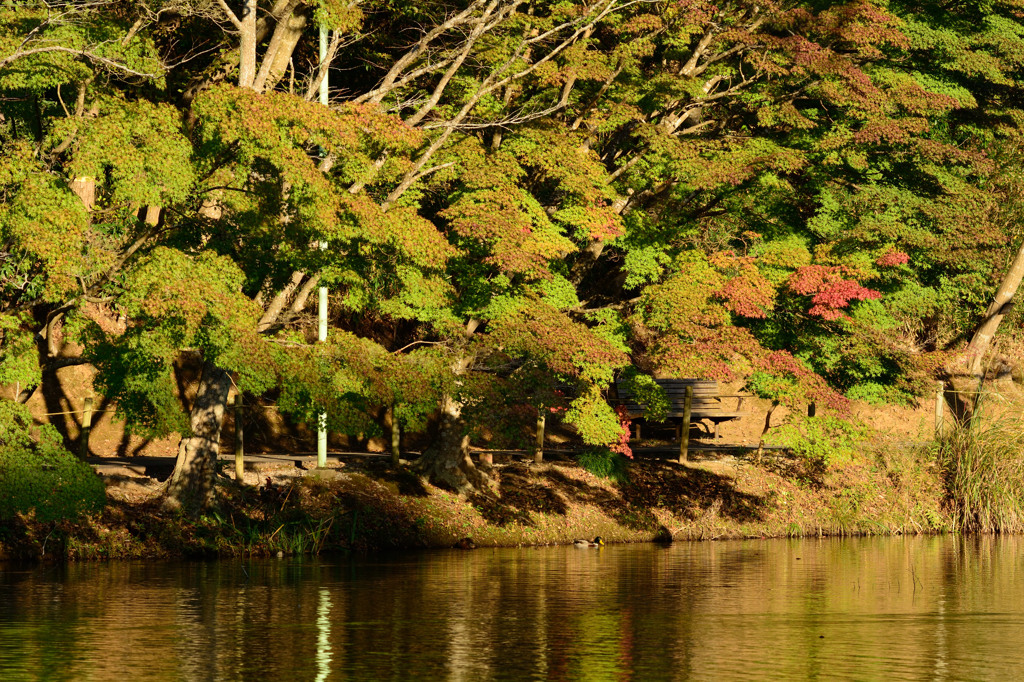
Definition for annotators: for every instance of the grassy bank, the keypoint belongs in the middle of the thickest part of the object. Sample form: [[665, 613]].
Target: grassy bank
[[366, 505]]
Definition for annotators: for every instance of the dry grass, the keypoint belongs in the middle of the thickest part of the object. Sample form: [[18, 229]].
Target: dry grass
[[982, 464]]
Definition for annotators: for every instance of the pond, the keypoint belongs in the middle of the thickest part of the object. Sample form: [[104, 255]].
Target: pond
[[862, 608]]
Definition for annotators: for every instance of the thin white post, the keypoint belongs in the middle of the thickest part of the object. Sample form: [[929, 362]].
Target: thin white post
[[323, 57], [321, 434]]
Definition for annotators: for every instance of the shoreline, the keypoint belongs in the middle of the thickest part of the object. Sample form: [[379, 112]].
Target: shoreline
[[363, 505]]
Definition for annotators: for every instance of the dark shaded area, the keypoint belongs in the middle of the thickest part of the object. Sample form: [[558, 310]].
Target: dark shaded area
[[401, 481], [687, 491], [683, 491], [56, 401], [369, 508], [308, 516], [519, 492]]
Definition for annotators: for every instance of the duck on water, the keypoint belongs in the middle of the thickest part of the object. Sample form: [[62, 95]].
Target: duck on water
[[596, 542]]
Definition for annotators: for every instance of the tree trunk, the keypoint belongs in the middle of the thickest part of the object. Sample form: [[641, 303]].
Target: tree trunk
[[85, 188], [279, 53], [192, 483], [764, 431], [1000, 305], [247, 44], [447, 462]]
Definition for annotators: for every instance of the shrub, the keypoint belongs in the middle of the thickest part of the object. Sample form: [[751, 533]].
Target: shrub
[[38, 474], [878, 394], [605, 463], [820, 441]]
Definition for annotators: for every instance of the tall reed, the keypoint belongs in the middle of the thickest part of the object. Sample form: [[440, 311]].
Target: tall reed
[[982, 464]]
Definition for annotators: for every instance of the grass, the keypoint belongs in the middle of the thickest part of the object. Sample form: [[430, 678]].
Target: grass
[[982, 463]]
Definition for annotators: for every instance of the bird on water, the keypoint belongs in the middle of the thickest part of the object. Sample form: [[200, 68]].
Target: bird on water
[[596, 542]]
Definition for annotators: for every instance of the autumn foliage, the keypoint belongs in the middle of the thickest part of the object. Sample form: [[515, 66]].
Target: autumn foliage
[[509, 202]]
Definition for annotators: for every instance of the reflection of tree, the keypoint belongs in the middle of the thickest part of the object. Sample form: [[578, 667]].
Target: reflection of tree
[[923, 607]]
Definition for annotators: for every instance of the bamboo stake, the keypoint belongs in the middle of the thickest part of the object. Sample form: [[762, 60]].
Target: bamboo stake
[[939, 410], [86, 428], [396, 437], [684, 434], [239, 441]]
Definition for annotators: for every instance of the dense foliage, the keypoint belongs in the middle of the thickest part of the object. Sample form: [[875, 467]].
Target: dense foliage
[[38, 476], [509, 201]]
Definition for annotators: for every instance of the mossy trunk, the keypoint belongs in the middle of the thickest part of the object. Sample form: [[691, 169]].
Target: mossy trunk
[[192, 483], [447, 462]]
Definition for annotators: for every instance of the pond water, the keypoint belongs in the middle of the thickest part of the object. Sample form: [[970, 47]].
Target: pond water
[[874, 608]]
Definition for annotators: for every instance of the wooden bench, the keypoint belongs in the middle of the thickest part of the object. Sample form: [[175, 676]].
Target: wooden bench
[[705, 403]]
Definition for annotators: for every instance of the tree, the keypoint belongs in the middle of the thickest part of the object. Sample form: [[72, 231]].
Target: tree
[[517, 199]]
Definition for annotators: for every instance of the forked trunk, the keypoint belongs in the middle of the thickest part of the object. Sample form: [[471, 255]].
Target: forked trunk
[[1001, 304], [447, 463], [192, 483]]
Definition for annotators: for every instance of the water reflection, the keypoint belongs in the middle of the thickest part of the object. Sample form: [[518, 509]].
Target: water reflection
[[901, 608]]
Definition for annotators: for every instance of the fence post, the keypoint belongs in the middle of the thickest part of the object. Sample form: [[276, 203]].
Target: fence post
[[86, 428], [538, 451], [239, 441], [396, 437], [684, 435], [939, 410]]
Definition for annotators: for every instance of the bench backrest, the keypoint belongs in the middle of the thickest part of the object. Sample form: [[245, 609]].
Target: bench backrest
[[705, 394]]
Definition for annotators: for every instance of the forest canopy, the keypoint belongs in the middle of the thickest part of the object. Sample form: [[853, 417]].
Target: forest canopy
[[510, 202]]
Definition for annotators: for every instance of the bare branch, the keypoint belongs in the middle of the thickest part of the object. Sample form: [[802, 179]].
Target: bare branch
[[583, 26], [231, 16], [414, 173], [698, 52], [299, 304], [404, 80], [278, 302], [332, 51], [133, 31], [110, 63], [388, 83], [482, 26]]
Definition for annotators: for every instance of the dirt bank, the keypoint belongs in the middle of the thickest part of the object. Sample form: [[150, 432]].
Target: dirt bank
[[363, 504]]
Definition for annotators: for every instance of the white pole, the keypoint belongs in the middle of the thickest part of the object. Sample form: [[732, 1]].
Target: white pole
[[321, 434], [323, 57]]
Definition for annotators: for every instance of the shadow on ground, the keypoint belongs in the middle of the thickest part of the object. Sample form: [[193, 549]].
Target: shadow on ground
[[685, 492]]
